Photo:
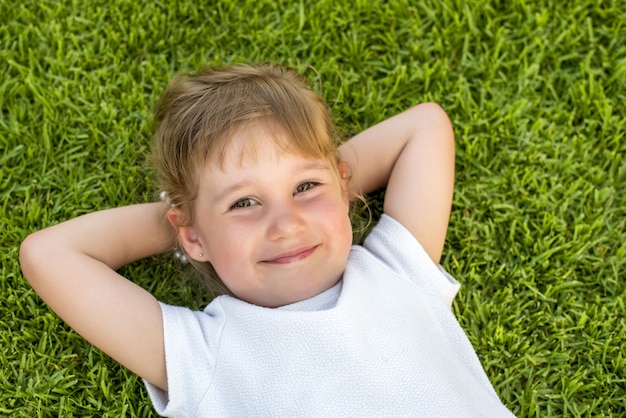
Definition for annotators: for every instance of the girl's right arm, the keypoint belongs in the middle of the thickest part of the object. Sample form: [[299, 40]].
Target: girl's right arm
[[72, 267]]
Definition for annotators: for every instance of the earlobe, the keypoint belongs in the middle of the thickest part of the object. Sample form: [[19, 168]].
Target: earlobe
[[190, 241], [188, 238]]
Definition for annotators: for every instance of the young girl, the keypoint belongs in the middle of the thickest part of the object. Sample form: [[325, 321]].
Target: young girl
[[258, 196]]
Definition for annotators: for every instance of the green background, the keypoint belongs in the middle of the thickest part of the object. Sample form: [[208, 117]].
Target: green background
[[536, 94]]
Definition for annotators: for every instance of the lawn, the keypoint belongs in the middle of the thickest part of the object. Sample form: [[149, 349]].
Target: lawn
[[536, 92]]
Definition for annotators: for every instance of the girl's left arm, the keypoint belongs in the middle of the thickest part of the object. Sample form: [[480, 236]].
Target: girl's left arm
[[412, 155]]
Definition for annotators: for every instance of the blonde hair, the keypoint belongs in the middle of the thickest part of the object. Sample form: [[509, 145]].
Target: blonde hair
[[199, 113]]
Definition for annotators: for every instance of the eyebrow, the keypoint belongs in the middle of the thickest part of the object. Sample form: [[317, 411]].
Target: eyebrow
[[309, 165], [313, 165], [231, 189]]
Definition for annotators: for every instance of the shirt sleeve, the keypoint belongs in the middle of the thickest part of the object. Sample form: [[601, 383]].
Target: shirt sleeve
[[190, 341], [396, 247]]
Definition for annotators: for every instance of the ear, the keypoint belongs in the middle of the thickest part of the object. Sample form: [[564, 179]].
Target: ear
[[344, 171], [188, 238], [344, 179]]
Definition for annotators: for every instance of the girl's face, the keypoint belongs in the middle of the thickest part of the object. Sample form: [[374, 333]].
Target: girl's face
[[274, 225]]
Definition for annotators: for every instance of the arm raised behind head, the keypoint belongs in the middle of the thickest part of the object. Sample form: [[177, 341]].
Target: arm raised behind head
[[412, 155], [72, 267]]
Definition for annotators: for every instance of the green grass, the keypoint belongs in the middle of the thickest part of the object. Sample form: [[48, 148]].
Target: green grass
[[536, 92]]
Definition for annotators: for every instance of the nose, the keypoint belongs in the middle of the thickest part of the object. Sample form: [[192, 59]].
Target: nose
[[285, 221]]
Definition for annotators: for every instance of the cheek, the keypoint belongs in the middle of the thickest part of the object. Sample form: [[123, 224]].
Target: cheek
[[228, 248], [227, 265], [334, 215], [217, 245], [344, 225], [346, 228]]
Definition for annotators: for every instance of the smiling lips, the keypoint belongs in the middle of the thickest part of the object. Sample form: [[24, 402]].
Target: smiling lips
[[292, 256]]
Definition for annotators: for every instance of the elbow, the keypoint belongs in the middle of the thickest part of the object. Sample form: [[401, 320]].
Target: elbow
[[432, 116], [30, 258], [434, 110], [27, 249]]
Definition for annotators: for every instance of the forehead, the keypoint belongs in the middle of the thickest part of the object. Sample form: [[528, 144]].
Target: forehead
[[255, 141]]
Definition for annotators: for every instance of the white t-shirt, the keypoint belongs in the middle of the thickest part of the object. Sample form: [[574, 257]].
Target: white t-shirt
[[382, 342]]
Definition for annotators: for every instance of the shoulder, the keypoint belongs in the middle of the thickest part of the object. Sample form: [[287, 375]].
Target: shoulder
[[191, 341], [181, 324], [395, 248]]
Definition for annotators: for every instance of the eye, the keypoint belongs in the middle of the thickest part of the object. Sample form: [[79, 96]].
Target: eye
[[306, 186], [243, 203]]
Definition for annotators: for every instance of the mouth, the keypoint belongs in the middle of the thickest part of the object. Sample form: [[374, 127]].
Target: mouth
[[292, 256]]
